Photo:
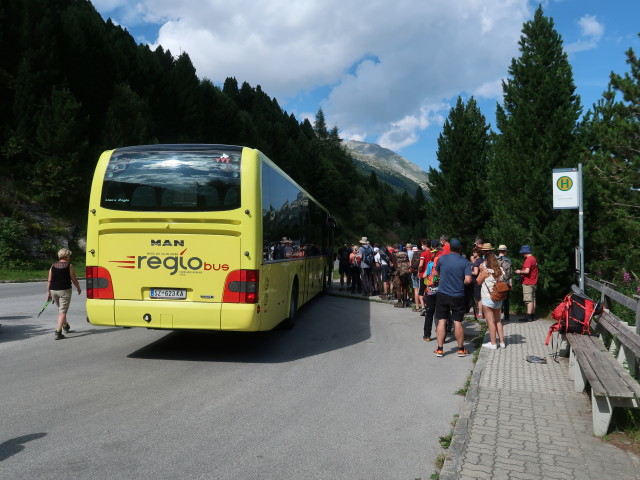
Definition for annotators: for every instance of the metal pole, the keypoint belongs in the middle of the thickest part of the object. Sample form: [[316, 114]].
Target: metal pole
[[581, 225]]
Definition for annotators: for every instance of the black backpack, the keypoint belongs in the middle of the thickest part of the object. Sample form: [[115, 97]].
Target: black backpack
[[369, 256], [415, 262], [344, 255], [574, 314]]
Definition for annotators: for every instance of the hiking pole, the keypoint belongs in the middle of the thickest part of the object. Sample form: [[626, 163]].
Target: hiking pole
[[45, 306]]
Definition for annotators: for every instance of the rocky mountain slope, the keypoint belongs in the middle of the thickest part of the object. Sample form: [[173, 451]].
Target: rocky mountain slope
[[390, 167]]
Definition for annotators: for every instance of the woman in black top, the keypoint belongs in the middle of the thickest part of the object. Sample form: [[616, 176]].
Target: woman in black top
[[61, 275]]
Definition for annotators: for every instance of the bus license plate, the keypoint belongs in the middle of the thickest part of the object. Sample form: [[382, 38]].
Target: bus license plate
[[170, 293]]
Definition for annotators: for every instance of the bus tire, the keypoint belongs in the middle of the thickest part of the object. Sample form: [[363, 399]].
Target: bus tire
[[290, 321]]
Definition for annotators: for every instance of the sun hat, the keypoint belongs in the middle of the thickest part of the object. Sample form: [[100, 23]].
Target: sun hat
[[487, 246], [364, 240], [285, 240], [415, 249], [525, 249], [502, 247]]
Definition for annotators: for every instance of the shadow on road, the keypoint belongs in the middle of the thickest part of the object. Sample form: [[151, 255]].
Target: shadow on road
[[324, 325], [16, 445]]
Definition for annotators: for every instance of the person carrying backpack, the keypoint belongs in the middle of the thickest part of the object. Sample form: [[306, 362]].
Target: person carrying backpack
[[367, 260], [507, 268], [403, 274], [431, 281]]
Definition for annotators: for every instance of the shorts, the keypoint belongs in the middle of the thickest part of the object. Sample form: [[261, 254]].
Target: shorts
[[415, 281], [529, 293], [343, 269], [62, 298], [487, 302], [447, 305], [386, 273]]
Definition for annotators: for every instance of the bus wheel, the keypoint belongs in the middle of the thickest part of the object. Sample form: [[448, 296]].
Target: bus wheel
[[293, 307]]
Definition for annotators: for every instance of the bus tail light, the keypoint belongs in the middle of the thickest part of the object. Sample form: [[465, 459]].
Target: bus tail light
[[241, 286], [99, 283]]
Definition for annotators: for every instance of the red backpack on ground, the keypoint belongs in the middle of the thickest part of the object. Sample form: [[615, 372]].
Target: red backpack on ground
[[574, 314]]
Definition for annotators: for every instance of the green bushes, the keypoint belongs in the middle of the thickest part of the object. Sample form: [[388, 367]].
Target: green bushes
[[13, 240]]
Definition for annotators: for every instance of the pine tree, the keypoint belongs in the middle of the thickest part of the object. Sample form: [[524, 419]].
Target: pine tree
[[537, 124], [612, 168], [458, 207]]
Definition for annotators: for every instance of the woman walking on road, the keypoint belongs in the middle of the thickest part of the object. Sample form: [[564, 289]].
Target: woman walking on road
[[61, 275]]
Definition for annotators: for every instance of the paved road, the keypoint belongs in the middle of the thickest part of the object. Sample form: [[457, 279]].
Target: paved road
[[351, 393]]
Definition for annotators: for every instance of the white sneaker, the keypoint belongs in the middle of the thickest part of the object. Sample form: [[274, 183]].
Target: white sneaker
[[490, 346], [503, 345]]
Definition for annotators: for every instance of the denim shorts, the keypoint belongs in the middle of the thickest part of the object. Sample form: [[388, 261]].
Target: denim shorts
[[487, 302], [415, 280]]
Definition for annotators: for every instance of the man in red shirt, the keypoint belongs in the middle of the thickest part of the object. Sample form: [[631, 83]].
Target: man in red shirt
[[529, 274], [446, 248]]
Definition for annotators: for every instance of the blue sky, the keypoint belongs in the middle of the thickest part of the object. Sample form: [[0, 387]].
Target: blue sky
[[383, 72]]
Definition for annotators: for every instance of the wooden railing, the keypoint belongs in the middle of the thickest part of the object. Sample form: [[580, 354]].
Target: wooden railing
[[621, 349]]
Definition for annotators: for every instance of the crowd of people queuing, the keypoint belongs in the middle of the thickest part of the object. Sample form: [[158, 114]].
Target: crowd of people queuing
[[436, 280]]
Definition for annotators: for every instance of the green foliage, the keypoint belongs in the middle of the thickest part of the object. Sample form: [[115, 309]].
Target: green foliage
[[458, 188], [537, 133], [13, 238], [611, 154], [73, 85]]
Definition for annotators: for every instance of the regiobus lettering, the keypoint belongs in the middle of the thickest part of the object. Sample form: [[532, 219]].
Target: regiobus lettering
[[171, 263]]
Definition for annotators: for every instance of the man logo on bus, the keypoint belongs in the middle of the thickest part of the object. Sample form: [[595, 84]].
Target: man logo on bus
[[167, 243], [564, 183]]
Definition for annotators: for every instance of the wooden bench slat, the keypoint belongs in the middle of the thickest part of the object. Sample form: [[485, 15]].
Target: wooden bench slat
[[604, 366], [629, 339], [599, 367], [580, 348]]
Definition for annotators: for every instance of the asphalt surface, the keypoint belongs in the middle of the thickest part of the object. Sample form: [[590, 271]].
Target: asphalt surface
[[352, 392]]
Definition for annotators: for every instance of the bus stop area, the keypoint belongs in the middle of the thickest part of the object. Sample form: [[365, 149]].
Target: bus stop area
[[523, 420]]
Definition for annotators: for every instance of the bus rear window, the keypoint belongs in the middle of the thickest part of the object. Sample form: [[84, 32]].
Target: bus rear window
[[172, 181]]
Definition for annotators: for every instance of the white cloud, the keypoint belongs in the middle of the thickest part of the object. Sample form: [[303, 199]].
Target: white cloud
[[383, 63], [591, 32]]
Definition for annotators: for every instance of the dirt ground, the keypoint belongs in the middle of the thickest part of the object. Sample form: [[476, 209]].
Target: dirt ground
[[625, 441]]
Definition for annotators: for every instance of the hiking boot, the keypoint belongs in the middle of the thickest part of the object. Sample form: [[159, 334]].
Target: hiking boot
[[67, 328], [59, 336], [399, 305], [463, 352], [439, 352]]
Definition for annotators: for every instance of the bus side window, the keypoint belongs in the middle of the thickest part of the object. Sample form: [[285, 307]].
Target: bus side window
[[144, 196]]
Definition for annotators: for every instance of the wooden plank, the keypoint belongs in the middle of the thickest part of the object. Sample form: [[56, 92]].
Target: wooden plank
[[580, 348], [602, 364], [627, 337], [630, 303]]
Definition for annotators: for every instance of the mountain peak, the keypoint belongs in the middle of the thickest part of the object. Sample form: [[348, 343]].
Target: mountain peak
[[391, 167]]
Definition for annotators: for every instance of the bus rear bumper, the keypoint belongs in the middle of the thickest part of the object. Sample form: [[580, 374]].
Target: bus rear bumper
[[167, 314]]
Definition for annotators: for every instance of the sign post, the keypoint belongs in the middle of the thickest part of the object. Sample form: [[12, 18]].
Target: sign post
[[567, 193]]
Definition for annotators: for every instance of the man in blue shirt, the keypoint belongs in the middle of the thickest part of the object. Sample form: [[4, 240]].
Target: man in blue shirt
[[455, 272]]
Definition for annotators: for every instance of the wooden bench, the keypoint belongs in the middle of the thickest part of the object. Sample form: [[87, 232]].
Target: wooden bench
[[591, 362]]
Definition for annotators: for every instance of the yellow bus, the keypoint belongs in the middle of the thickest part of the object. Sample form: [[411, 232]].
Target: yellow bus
[[212, 237]]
